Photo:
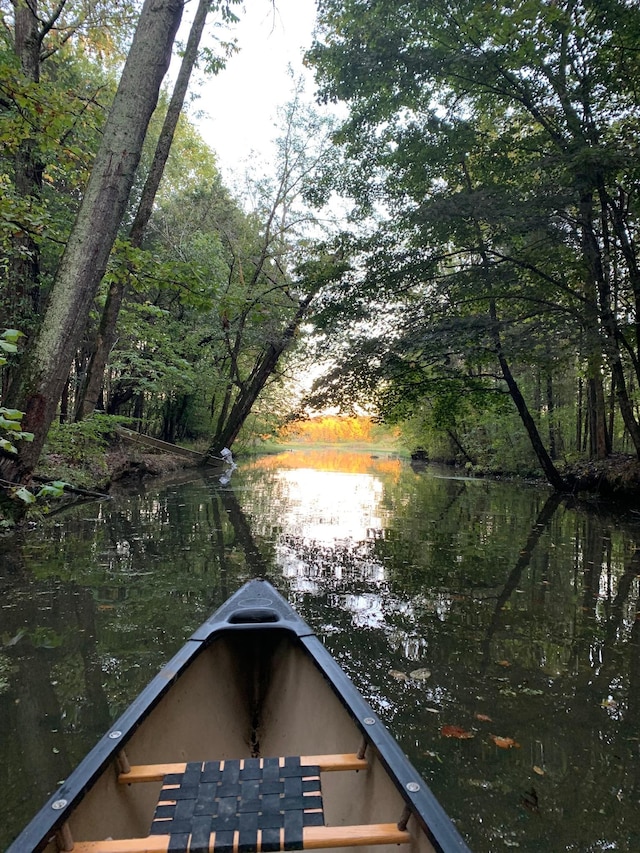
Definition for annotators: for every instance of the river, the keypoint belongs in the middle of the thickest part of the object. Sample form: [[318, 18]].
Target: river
[[493, 626]]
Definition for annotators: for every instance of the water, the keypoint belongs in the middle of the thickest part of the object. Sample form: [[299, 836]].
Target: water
[[515, 612]]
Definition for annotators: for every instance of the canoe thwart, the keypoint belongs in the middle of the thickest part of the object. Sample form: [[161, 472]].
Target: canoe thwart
[[326, 763]]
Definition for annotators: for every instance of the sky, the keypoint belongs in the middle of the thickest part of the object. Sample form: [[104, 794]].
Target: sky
[[240, 103]]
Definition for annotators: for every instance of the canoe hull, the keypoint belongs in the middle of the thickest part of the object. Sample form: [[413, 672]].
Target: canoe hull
[[253, 681]]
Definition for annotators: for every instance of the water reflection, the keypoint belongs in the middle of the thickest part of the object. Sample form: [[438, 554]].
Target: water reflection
[[521, 607]]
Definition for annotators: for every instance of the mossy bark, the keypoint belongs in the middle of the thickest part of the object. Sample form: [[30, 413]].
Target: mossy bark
[[107, 329]]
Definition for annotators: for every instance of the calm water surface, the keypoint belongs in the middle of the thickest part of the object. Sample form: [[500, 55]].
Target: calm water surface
[[516, 612]]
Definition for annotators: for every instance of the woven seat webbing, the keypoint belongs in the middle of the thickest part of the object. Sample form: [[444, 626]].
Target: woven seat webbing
[[236, 799]]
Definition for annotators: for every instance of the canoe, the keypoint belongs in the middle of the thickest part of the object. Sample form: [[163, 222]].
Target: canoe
[[251, 739]]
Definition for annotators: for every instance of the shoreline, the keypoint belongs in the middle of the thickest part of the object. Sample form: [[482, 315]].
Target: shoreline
[[615, 480]]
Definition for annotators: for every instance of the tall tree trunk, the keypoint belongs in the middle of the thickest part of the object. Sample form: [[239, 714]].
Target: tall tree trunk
[[24, 267], [612, 412], [599, 446], [617, 207], [579, 406], [626, 406], [106, 335], [43, 372], [102, 346], [553, 449], [597, 298], [597, 282]]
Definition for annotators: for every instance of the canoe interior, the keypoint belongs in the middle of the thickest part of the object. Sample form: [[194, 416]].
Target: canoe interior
[[253, 694]]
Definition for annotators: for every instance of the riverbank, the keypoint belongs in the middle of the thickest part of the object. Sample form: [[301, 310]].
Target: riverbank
[[119, 464], [617, 477]]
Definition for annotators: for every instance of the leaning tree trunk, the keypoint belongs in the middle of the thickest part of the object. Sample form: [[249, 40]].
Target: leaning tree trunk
[[551, 472], [106, 335], [39, 384], [263, 369]]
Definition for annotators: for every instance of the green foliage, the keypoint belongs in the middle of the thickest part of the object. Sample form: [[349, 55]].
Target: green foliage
[[218, 288], [76, 453], [11, 419], [55, 489], [491, 146], [10, 423], [85, 442], [50, 129]]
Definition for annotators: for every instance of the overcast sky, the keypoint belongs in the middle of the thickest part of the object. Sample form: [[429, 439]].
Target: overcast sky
[[240, 103]]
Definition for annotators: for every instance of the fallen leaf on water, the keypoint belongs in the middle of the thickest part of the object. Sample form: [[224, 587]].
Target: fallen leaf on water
[[433, 710], [399, 676], [503, 663], [455, 731], [420, 674], [504, 742], [538, 770], [483, 718]]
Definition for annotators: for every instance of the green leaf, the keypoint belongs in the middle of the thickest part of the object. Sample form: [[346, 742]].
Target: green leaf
[[7, 347], [12, 335], [7, 446], [6, 424], [52, 490], [11, 414], [25, 495]]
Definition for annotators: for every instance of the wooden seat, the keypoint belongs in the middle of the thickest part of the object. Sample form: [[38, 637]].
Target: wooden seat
[[257, 805], [313, 838]]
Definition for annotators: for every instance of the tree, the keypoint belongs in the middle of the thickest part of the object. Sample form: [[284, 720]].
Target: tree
[[43, 111], [39, 384], [279, 276], [107, 327], [532, 100]]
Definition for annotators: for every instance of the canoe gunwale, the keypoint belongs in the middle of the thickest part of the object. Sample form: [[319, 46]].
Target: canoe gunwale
[[414, 790], [257, 606]]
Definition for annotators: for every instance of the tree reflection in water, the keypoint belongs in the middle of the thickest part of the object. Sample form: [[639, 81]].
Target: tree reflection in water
[[511, 604]]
